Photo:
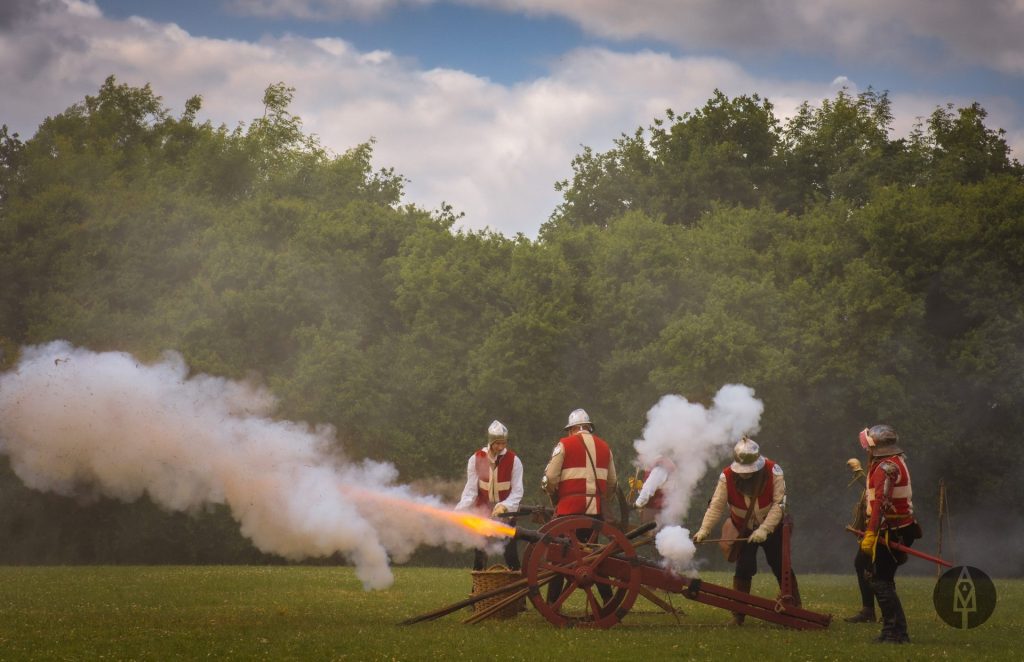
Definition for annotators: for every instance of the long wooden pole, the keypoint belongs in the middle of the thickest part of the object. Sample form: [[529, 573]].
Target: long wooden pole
[[942, 509], [504, 602], [473, 599], [892, 544]]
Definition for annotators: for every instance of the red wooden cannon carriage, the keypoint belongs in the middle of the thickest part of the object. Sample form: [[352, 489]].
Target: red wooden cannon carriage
[[587, 554]]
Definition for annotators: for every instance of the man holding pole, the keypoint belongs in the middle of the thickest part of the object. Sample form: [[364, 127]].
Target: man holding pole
[[890, 513], [753, 491], [494, 479]]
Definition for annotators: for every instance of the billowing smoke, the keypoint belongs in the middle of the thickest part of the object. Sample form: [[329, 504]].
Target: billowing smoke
[[694, 438], [75, 422], [675, 546]]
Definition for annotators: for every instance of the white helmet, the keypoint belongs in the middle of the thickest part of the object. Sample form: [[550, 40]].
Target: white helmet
[[747, 456], [497, 431], [578, 417]]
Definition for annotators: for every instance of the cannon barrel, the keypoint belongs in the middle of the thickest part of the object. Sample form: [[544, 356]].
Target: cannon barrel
[[532, 535]]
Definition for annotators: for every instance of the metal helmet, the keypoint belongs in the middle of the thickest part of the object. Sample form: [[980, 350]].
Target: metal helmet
[[578, 417], [496, 430], [884, 440], [746, 455]]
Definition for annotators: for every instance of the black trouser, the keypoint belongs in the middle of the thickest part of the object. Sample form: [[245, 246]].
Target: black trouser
[[746, 564], [555, 586], [882, 577], [862, 564], [511, 552]]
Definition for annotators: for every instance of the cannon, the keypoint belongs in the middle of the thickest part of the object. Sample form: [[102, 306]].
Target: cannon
[[597, 576]]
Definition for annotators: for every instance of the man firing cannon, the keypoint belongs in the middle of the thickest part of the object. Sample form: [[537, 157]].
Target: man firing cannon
[[753, 491], [494, 479]]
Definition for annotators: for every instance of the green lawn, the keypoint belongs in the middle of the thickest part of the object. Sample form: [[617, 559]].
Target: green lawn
[[317, 613]]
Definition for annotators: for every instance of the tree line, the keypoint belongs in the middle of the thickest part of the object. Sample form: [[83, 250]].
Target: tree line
[[849, 276]]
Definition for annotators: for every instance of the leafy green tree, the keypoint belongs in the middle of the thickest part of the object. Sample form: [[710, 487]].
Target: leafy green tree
[[848, 277], [840, 149], [964, 150], [724, 152]]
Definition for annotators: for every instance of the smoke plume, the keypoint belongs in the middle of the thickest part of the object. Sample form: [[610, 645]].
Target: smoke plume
[[675, 546], [694, 438], [80, 423]]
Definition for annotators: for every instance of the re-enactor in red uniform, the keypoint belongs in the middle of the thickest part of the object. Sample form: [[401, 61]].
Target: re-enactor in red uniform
[[753, 489], [579, 476], [651, 499], [494, 480], [890, 512]]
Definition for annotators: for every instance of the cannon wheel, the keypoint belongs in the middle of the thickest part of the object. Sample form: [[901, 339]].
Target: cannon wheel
[[574, 548]]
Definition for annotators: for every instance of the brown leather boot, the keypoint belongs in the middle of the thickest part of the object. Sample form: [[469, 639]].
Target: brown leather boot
[[743, 586]]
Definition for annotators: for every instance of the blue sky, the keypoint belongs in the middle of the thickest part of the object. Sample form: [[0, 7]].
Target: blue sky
[[483, 103]]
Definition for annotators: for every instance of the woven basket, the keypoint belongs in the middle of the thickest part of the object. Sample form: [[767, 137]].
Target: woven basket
[[495, 577]]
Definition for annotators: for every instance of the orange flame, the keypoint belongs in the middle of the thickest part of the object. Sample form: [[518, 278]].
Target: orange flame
[[475, 523]]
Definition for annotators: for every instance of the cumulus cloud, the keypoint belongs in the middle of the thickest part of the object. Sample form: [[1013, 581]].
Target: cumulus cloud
[[493, 151], [985, 32]]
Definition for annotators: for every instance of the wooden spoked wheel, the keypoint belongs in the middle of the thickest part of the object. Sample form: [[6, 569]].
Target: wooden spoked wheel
[[595, 565]]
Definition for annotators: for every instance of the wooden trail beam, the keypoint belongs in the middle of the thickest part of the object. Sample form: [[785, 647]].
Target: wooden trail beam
[[473, 599], [755, 606]]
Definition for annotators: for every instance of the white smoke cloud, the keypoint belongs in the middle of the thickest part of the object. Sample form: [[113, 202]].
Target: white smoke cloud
[[76, 422], [694, 438], [676, 548]]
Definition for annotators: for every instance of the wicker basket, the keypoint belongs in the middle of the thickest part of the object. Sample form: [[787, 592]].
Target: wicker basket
[[495, 577]]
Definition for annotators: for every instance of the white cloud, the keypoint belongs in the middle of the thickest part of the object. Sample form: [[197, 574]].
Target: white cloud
[[80, 8], [981, 32], [493, 151]]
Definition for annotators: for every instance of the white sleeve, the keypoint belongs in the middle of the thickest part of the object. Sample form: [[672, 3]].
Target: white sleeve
[[655, 480], [470, 490], [515, 494]]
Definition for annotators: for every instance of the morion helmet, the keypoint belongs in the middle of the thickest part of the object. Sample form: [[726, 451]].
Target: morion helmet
[[497, 431], [578, 417], [746, 455]]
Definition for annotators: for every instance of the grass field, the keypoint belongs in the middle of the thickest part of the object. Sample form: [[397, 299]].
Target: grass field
[[317, 613]]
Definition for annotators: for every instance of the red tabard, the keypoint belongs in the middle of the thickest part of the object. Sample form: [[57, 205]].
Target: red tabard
[[902, 512], [581, 485], [738, 503], [483, 476]]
